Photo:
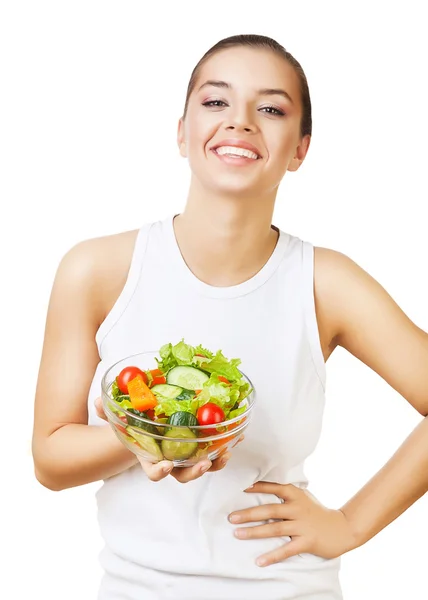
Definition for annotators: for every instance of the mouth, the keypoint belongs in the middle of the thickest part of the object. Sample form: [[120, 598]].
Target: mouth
[[237, 149]]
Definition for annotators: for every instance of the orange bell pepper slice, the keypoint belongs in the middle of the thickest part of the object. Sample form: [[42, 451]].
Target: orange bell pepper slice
[[141, 396]]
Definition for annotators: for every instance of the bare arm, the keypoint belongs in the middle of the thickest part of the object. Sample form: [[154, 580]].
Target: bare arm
[[66, 451], [368, 323]]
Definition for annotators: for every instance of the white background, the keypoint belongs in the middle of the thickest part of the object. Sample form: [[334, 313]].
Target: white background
[[91, 95]]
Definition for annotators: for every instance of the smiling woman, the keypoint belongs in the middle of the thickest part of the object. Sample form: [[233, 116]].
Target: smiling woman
[[221, 274]]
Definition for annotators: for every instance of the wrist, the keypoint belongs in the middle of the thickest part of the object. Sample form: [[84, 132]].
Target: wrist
[[356, 537]]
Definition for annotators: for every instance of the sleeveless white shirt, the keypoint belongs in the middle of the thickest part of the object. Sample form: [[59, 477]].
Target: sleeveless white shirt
[[168, 540]]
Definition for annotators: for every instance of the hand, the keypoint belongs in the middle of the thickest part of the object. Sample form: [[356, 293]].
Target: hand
[[162, 469], [313, 528]]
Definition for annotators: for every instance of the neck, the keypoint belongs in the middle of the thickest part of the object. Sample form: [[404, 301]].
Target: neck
[[225, 240]]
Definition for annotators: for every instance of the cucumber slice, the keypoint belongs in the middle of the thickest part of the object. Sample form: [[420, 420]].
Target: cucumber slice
[[136, 423], [188, 378], [178, 450], [183, 418], [166, 390], [146, 443], [186, 395]]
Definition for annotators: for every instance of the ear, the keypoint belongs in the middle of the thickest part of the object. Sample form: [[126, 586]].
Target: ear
[[300, 154], [181, 140]]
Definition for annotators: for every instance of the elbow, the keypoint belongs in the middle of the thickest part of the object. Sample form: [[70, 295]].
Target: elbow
[[48, 482], [43, 471]]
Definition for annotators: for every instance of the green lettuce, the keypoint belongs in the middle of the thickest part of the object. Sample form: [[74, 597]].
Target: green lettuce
[[173, 356], [228, 397], [168, 406], [220, 365], [200, 350]]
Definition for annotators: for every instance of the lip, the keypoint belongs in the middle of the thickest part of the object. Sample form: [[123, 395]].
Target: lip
[[238, 144]]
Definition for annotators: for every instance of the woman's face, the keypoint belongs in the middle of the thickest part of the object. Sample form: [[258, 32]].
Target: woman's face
[[241, 132]]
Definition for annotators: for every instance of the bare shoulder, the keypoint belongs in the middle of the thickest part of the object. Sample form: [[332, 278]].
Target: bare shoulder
[[339, 284], [99, 267]]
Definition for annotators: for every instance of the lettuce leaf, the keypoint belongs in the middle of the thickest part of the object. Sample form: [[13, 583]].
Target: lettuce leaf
[[173, 356], [220, 365], [168, 406], [228, 397], [200, 350]]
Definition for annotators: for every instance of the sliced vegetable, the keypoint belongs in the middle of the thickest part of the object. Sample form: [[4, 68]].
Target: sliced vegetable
[[156, 372], [147, 443], [140, 394], [167, 391], [140, 424], [189, 378], [179, 450], [183, 418], [186, 395], [126, 375]]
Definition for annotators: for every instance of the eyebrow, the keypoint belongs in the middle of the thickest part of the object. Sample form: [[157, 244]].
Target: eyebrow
[[262, 92]]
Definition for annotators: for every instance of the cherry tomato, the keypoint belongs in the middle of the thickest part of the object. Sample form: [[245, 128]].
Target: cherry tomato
[[210, 414], [223, 379], [126, 375]]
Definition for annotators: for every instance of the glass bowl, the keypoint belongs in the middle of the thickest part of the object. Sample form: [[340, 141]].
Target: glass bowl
[[184, 445]]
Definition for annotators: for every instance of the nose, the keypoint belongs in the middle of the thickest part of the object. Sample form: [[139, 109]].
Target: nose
[[240, 121], [236, 127]]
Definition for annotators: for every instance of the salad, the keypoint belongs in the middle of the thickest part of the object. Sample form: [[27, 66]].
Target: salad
[[188, 387]]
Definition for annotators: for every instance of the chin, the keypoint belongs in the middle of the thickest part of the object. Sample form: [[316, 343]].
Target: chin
[[233, 186]]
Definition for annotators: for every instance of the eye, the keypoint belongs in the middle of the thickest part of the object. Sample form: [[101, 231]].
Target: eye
[[214, 103], [272, 110]]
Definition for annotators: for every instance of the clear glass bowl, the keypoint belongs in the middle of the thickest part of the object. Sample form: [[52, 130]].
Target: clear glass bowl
[[184, 446]]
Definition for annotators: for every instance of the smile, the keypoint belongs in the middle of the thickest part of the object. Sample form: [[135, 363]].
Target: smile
[[235, 152]]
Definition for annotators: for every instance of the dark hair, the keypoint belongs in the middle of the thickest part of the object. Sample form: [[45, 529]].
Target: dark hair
[[267, 43]]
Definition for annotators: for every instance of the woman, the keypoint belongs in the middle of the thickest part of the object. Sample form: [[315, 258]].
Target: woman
[[222, 275]]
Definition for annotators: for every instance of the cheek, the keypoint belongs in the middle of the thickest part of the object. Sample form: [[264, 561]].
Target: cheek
[[199, 133], [281, 148]]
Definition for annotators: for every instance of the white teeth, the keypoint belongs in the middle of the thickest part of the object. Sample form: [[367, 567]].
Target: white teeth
[[234, 151]]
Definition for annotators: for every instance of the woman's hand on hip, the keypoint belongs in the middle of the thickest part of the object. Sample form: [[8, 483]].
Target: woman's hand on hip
[[312, 527]]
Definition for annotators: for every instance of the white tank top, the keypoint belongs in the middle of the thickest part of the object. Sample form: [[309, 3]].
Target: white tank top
[[168, 540]]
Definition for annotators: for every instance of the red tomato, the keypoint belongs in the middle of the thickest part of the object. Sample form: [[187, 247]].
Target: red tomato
[[158, 380], [150, 413], [223, 379], [210, 414], [126, 375]]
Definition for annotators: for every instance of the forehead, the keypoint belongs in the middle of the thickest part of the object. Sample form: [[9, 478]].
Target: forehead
[[250, 68]]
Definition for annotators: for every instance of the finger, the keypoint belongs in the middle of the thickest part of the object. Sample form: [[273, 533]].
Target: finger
[[220, 463], [239, 440], [157, 471], [186, 474], [100, 409], [264, 512], [277, 529], [296, 546], [285, 492]]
